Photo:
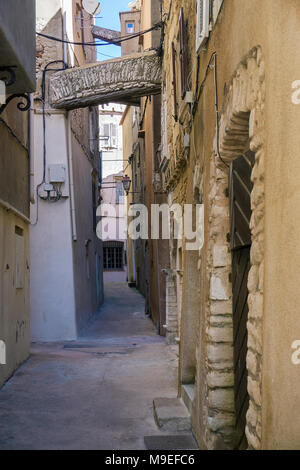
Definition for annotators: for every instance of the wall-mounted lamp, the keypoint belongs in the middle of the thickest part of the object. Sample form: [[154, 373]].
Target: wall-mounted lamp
[[126, 181]]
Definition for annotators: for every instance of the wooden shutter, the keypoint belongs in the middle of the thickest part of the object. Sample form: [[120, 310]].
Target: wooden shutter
[[106, 130], [240, 214], [240, 206], [183, 63], [174, 81]]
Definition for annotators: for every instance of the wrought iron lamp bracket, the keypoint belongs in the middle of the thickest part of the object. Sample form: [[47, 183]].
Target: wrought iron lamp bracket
[[9, 79]]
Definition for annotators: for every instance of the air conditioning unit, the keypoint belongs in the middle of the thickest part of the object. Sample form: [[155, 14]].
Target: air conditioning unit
[[202, 29]]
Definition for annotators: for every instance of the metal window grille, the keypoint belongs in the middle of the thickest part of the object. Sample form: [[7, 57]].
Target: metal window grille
[[113, 255]]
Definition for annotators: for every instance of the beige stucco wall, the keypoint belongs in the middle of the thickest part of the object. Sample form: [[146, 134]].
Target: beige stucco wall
[[116, 223], [70, 260]]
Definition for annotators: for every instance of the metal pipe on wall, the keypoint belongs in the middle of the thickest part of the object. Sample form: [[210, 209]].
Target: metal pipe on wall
[[31, 151], [69, 136], [71, 177]]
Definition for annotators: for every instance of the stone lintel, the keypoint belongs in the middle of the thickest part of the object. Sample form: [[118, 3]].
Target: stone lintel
[[123, 80]]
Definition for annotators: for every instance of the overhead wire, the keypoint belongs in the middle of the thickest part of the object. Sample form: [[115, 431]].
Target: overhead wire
[[106, 43]]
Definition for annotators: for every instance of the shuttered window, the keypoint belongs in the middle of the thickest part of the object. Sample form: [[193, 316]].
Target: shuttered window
[[183, 61], [119, 192], [174, 81], [110, 135]]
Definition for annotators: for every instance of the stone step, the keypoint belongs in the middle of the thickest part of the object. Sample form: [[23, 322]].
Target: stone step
[[171, 414], [187, 395]]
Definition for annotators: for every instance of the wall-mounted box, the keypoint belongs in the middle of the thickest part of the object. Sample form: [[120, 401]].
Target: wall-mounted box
[[57, 173]]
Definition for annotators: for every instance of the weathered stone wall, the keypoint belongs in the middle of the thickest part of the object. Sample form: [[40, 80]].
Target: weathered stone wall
[[242, 118], [171, 307]]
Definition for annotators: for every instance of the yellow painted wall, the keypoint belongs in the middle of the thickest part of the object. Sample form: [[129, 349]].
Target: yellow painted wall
[[14, 291]]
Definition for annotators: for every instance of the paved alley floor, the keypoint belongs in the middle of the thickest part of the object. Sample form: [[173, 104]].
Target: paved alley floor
[[93, 393]]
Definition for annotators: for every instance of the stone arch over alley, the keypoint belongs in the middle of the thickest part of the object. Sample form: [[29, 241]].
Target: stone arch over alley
[[241, 126]]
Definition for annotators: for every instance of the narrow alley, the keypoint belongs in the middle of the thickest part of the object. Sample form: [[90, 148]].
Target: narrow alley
[[149, 229], [93, 393]]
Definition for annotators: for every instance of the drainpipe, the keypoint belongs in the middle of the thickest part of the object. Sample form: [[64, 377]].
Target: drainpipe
[[69, 135], [31, 151], [64, 32], [71, 177]]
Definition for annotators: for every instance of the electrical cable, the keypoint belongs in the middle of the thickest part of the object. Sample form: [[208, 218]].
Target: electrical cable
[[213, 57], [217, 110], [115, 41], [144, 112], [43, 99], [106, 55]]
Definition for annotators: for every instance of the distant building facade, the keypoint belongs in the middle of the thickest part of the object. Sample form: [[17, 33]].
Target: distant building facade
[[112, 192], [110, 138], [114, 224]]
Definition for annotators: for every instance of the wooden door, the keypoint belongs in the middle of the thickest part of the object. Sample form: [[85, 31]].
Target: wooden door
[[240, 213]]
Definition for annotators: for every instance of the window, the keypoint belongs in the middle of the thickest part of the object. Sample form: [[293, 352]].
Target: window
[[82, 31], [183, 62], [113, 135], [129, 26], [174, 80], [113, 255], [110, 135], [134, 173], [119, 192], [164, 127], [106, 131]]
